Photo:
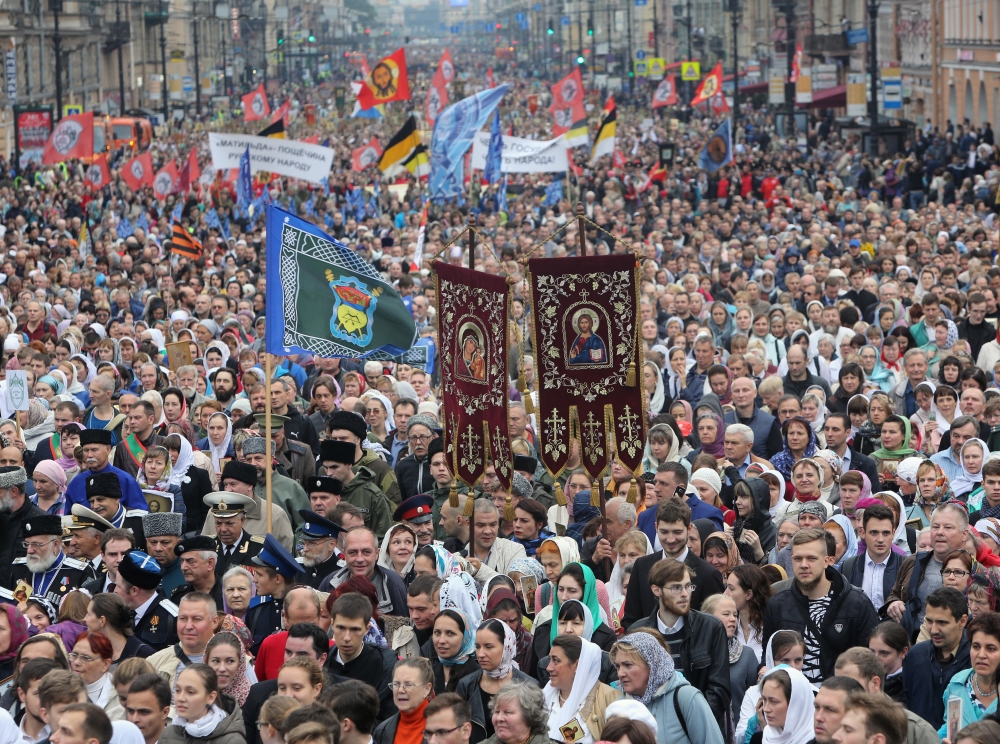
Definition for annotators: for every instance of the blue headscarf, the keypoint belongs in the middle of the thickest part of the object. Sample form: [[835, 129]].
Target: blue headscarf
[[468, 638]]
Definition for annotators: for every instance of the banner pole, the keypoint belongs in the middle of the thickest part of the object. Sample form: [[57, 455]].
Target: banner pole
[[472, 241], [267, 432], [580, 211]]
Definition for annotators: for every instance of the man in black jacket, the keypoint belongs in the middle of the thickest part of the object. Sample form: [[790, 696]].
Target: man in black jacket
[[673, 518], [837, 430], [874, 571], [413, 472], [697, 641], [799, 378], [865, 301], [15, 509], [976, 329], [828, 612]]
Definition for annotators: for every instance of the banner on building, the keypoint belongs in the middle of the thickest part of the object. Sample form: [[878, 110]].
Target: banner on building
[[523, 155], [776, 87], [857, 94], [472, 328], [284, 157]]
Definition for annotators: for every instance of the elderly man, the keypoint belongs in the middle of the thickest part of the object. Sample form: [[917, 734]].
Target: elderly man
[[963, 428], [138, 584], [97, 444], [345, 426], [236, 546], [163, 533], [767, 440], [241, 477], [319, 555], [704, 357], [338, 460], [142, 435], [105, 498], [45, 570], [903, 396], [620, 517], [413, 471], [361, 558], [15, 509], [86, 528]]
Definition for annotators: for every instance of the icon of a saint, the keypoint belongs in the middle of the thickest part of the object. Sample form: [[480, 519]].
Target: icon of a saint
[[588, 348], [472, 356]]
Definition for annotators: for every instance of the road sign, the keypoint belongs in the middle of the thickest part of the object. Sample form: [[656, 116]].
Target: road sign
[[520, 17], [640, 54], [564, 20], [71, 109], [892, 86], [641, 69], [690, 71], [857, 36], [657, 67], [640, 3]]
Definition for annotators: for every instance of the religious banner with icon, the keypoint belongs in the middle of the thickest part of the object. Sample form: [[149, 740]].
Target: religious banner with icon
[[586, 326], [472, 329]]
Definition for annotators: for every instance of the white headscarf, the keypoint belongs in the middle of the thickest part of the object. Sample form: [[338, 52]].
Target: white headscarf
[[185, 460], [614, 587], [658, 396], [588, 669], [798, 728], [459, 591], [385, 560], [390, 422], [965, 481], [219, 452]]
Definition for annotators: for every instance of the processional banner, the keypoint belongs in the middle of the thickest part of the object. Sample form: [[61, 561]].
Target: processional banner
[[472, 328], [585, 331]]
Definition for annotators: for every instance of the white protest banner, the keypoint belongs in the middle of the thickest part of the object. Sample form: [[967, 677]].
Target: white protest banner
[[523, 155], [273, 155], [17, 390]]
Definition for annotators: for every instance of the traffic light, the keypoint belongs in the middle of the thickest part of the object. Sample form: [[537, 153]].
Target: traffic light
[[580, 60], [281, 39], [590, 26], [368, 31], [312, 38], [499, 26], [550, 30]]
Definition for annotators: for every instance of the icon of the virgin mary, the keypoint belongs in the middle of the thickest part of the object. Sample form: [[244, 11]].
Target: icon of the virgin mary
[[588, 348]]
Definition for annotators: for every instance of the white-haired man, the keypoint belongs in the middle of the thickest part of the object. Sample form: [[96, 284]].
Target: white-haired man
[[46, 570]]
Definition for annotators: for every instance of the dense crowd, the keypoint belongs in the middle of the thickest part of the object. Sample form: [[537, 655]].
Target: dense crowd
[[811, 552]]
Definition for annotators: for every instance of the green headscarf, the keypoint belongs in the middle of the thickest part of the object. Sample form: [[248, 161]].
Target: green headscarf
[[904, 451], [589, 599]]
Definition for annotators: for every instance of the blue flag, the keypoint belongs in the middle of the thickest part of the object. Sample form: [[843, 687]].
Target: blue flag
[[718, 150], [225, 229], [125, 229], [310, 206], [356, 201], [454, 130], [212, 219], [142, 223], [178, 211], [494, 156], [553, 193], [244, 186]]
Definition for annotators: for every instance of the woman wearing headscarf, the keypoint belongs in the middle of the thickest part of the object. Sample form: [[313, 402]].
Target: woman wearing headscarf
[[496, 649], [799, 443], [661, 446], [832, 463], [398, 550], [875, 371], [454, 640], [226, 654], [195, 483], [576, 581], [575, 699], [895, 447], [711, 431], [652, 381], [971, 457], [460, 591], [787, 705], [721, 552], [946, 343], [13, 633], [39, 423], [575, 619], [646, 673], [752, 503], [844, 536], [720, 323], [554, 554], [675, 373], [503, 605], [220, 444], [380, 423]]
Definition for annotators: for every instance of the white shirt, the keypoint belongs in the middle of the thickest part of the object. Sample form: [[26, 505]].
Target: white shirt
[[669, 630], [871, 585], [141, 610], [23, 737]]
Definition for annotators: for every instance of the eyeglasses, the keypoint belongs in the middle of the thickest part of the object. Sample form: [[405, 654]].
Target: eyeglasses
[[956, 572], [82, 657], [37, 546], [680, 588], [421, 438], [428, 735], [405, 686]]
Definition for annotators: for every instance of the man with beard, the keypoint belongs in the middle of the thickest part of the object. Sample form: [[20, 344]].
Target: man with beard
[[319, 553], [45, 569], [241, 477], [105, 498], [163, 533], [297, 427], [828, 612], [142, 435], [276, 570], [187, 379], [236, 546], [96, 444], [694, 637], [224, 387], [830, 321], [15, 510], [287, 494]]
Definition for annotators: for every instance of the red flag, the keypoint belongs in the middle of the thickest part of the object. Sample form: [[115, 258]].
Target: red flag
[[618, 159], [366, 155], [666, 92], [796, 64], [314, 140], [489, 77], [255, 105], [166, 180], [138, 172], [281, 112], [388, 81], [445, 72], [577, 170], [190, 173], [568, 91], [719, 105], [98, 175], [708, 87], [365, 70], [73, 137]]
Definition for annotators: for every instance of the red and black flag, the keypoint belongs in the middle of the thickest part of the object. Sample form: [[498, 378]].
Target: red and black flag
[[184, 244]]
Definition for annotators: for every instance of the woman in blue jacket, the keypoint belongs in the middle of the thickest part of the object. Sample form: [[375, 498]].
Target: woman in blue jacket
[[976, 688]]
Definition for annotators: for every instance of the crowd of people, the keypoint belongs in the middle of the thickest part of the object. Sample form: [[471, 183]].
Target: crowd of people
[[811, 552]]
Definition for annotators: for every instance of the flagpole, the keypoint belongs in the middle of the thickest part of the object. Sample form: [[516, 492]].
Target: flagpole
[[267, 431], [472, 240], [580, 211]]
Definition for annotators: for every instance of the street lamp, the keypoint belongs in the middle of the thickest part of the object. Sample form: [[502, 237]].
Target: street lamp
[[736, 11], [873, 8]]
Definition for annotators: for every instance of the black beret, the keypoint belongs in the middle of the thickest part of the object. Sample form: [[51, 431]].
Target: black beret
[[324, 484], [348, 421], [330, 450], [198, 542], [103, 484], [95, 436], [244, 472]]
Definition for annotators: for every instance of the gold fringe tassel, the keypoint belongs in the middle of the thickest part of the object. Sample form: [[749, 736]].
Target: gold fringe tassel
[[529, 404], [560, 496], [633, 493], [595, 494], [508, 509], [470, 506], [453, 496], [630, 376]]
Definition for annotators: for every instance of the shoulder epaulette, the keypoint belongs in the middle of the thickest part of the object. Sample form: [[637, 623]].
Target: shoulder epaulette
[[7, 594], [20, 561], [170, 607], [297, 447], [257, 539], [136, 512], [73, 563]]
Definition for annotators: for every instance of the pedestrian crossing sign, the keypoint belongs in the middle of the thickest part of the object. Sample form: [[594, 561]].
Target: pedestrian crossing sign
[[691, 71]]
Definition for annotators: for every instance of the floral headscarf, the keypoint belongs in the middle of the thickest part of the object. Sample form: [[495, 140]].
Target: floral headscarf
[[942, 488], [18, 631], [468, 637], [446, 562], [239, 688], [784, 460], [835, 461], [459, 592], [732, 551], [507, 661], [660, 663], [527, 567], [952, 338]]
